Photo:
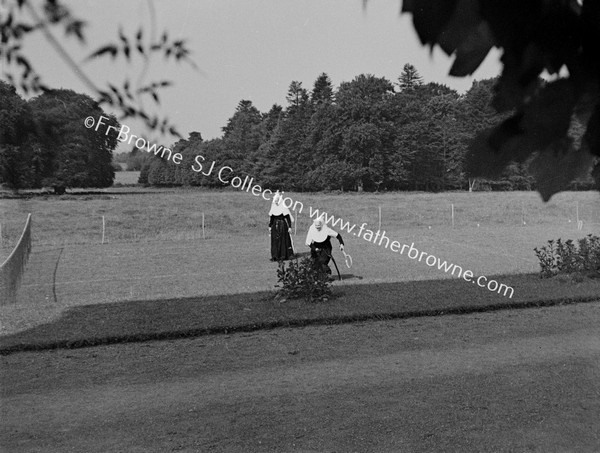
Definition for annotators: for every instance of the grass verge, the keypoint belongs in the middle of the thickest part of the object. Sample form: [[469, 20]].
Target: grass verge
[[136, 321]]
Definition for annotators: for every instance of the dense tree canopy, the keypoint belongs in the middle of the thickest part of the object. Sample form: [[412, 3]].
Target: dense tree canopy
[[18, 159], [364, 135], [44, 141]]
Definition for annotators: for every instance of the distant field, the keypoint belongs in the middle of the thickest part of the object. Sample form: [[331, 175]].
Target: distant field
[[126, 178], [140, 215]]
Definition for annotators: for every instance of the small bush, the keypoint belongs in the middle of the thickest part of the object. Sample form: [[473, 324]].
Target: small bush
[[567, 257], [303, 279]]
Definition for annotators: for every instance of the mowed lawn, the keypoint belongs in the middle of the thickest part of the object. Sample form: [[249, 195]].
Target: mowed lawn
[[508, 381]]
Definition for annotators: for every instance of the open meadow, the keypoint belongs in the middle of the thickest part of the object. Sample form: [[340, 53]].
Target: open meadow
[[155, 247]]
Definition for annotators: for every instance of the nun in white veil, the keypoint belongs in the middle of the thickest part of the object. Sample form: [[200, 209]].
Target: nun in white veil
[[319, 240], [280, 222]]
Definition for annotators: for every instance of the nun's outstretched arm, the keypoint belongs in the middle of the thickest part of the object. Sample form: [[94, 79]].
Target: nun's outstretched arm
[[339, 238], [308, 239]]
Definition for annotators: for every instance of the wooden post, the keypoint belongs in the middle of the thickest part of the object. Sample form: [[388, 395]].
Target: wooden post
[[379, 229], [103, 228], [203, 235], [452, 205]]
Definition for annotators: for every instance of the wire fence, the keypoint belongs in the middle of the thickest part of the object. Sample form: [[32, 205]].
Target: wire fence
[[151, 226]]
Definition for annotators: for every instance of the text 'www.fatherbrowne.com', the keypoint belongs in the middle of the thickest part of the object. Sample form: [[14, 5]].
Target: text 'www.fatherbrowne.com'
[[413, 253]]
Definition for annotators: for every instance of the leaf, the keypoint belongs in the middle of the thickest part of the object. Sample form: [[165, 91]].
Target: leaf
[[116, 92], [429, 17], [596, 175], [21, 60], [511, 90], [105, 98], [481, 160], [75, 27], [122, 37], [591, 138], [548, 115], [558, 165], [126, 90], [109, 48], [472, 51]]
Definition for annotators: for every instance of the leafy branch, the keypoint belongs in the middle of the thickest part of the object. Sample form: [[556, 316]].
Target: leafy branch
[[23, 18], [535, 37]]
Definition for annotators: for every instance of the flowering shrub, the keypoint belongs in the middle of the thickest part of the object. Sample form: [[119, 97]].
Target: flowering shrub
[[303, 279], [568, 257]]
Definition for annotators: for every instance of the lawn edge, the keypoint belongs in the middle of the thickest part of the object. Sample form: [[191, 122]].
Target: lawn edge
[[305, 322]]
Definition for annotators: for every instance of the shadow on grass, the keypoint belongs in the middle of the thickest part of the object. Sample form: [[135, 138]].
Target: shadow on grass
[[136, 321]]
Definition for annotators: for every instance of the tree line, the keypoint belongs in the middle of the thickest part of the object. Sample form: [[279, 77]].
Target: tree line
[[367, 134], [45, 143]]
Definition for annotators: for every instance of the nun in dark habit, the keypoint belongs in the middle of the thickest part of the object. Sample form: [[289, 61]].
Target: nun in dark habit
[[280, 222], [319, 240]]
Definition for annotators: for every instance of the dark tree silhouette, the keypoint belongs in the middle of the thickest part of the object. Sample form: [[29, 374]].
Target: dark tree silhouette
[[545, 35]]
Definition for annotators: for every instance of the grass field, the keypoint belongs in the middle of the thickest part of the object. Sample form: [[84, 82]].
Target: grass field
[[154, 249], [133, 214]]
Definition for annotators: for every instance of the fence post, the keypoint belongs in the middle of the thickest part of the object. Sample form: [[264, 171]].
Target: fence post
[[379, 229], [203, 235], [103, 228], [452, 214]]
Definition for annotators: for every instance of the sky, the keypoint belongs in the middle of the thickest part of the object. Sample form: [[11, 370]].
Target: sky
[[248, 49]]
